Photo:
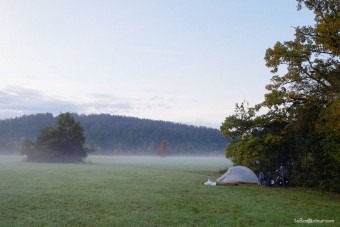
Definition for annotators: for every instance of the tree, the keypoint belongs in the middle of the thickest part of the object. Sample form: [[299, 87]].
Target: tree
[[65, 143], [71, 137], [163, 149], [301, 127]]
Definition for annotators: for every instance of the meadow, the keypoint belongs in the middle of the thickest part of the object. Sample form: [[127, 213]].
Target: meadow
[[148, 191]]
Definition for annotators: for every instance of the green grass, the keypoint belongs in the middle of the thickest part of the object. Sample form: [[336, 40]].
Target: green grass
[[141, 191]]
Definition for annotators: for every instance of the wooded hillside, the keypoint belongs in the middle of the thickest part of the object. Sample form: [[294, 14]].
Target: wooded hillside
[[118, 134]]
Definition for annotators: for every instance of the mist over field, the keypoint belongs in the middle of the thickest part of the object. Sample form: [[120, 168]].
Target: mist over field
[[185, 162], [198, 163], [209, 163]]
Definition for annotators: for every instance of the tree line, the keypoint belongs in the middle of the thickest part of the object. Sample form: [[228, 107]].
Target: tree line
[[301, 126], [111, 134]]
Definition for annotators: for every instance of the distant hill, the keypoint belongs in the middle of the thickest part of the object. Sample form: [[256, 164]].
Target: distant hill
[[111, 134]]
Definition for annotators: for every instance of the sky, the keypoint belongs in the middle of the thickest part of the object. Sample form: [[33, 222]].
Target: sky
[[186, 61]]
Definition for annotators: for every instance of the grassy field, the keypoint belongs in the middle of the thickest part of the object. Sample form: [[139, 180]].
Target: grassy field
[[147, 191]]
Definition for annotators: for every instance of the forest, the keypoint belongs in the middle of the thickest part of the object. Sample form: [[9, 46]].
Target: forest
[[112, 134]]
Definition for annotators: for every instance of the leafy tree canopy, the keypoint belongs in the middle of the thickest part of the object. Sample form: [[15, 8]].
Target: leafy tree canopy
[[301, 127], [65, 143]]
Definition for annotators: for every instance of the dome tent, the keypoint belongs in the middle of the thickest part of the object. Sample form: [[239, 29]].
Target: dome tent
[[238, 175]]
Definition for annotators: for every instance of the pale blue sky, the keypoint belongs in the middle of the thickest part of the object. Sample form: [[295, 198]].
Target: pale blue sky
[[186, 61]]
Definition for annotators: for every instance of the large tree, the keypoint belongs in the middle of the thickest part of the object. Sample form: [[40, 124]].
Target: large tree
[[301, 127], [65, 143]]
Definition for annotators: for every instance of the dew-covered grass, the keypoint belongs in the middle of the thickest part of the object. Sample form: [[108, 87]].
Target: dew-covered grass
[[147, 191]]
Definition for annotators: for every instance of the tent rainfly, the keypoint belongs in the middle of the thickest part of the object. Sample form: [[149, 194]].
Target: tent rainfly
[[238, 175]]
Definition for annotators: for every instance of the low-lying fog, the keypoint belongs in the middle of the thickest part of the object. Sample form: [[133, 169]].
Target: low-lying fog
[[199, 163]]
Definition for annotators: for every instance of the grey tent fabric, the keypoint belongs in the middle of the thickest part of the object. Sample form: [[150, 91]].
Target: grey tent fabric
[[238, 175]]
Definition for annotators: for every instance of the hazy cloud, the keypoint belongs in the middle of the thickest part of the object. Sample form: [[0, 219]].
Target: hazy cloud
[[160, 102], [16, 101], [106, 103]]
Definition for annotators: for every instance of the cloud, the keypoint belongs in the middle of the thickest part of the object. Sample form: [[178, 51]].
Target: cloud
[[16, 101], [106, 103], [159, 102]]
